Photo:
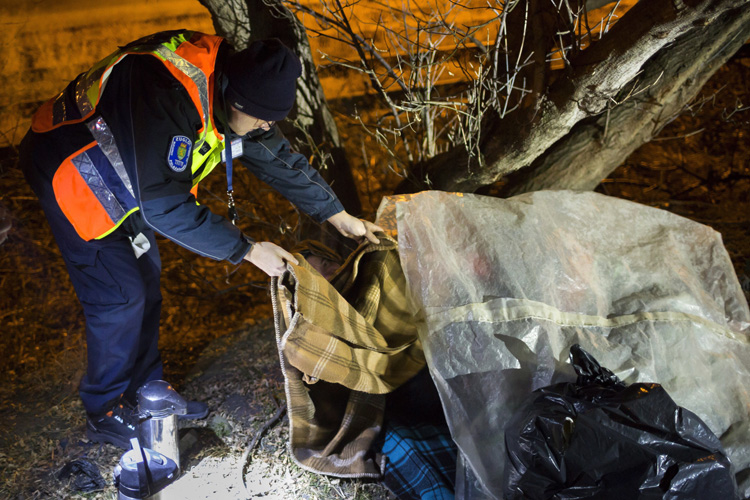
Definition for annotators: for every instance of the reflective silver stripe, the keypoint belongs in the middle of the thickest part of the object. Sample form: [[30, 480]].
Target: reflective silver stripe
[[192, 72], [89, 173], [58, 109], [82, 99], [103, 135]]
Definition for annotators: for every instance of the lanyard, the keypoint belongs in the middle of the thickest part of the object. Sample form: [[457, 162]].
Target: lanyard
[[228, 157]]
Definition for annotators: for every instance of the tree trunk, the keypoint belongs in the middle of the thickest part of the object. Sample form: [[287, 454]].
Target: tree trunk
[[597, 76], [319, 139], [230, 20], [593, 149]]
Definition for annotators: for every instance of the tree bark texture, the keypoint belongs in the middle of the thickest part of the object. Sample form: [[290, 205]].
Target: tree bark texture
[[596, 78], [671, 79], [231, 21]]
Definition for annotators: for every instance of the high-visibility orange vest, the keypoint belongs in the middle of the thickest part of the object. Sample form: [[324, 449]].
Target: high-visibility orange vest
[[92, 185]]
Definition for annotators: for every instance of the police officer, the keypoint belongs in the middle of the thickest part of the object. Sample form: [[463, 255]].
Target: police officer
[[116, 157]]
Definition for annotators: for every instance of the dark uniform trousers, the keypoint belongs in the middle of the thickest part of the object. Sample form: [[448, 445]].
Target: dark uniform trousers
[[120, 294]]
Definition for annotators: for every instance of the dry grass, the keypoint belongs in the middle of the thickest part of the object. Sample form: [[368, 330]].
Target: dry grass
[[239, 377]]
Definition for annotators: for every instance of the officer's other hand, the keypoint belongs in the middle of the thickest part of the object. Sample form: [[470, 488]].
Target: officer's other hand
[[269, 258], [355, 228]]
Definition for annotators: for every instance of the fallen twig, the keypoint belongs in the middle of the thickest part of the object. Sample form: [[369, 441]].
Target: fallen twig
[[256, 439]]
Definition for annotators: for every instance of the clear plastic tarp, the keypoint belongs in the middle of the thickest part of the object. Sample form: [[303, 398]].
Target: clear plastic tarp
[[505, 287]]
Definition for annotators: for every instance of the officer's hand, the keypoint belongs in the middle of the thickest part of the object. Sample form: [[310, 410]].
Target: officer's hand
[[269, 258], [354, 228]]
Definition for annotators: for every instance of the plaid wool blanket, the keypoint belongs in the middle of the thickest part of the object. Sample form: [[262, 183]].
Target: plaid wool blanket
[[420, 461], [343, 345]]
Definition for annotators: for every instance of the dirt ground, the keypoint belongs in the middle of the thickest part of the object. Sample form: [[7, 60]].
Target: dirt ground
[[217, 339]]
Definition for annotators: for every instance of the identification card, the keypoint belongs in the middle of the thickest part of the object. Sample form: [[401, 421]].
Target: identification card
[[236, 149]]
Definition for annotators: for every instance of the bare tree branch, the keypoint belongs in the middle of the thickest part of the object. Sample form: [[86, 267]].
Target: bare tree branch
[[581, 159], [597, 75]]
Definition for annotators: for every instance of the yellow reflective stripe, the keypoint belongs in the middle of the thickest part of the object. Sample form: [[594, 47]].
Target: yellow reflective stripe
[[177, 40], [89, 88], [211, 159], [118, 223], [92, 83]]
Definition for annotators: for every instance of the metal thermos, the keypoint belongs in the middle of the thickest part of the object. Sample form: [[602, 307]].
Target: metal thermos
[[143, 474], [158, 407]]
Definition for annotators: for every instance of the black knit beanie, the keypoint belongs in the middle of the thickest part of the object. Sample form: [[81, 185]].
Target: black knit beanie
[[262, 80]]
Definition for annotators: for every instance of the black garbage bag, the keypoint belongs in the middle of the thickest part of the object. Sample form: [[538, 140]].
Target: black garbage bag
[[600, 439]]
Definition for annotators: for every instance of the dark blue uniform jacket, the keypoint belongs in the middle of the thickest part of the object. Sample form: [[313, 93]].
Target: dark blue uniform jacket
[[146, 107]]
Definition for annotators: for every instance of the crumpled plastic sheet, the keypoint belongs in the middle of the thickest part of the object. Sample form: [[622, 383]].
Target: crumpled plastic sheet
[[505, 287]]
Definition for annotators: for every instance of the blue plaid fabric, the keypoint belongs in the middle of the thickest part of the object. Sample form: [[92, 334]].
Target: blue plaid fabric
[[420, 461]]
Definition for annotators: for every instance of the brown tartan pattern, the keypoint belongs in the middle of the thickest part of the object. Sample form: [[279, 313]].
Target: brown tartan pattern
[[343, 345]]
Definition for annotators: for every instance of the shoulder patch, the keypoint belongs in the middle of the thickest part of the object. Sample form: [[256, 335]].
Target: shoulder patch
[[179, 153]]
